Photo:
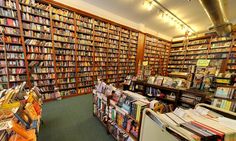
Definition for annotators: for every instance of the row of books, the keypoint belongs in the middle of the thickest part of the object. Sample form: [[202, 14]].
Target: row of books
[[63, 19], [39, 57], [40, 63], [35, 11], [9, 30], [62, 25], [64, 32], [65, 58], [33, 3], [42, 76], [63, 12], [40, 20], [224, 104], [11, 39], [35, 49], [8, 13], [9, 22]]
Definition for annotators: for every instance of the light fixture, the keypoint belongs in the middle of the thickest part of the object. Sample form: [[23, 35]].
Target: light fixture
[[168, 16], [148, 5]]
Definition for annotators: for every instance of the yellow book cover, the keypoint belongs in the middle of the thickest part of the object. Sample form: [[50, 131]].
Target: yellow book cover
[[30, 111]]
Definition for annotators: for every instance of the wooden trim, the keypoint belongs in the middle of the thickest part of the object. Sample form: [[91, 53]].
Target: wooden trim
[[140, 51]]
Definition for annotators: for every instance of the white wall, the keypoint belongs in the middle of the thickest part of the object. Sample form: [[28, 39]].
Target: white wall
[[84, 6]]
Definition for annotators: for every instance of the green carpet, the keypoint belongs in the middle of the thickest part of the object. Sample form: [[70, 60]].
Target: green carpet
[[71, 120]]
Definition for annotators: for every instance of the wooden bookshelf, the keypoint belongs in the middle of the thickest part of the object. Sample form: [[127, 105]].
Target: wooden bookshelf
[[114, 65], [65, 58], [100, 49], [84, 53], [185, 53], [53, 45]]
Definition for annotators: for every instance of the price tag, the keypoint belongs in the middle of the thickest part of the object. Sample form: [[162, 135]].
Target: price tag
[[203, 62]]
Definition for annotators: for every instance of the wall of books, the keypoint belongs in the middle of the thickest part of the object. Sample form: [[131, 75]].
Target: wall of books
[[50, 46], [219, 50], [156, 52]]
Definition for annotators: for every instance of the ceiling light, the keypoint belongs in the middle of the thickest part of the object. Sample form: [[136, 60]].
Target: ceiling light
[[148, 5], [167, 16]]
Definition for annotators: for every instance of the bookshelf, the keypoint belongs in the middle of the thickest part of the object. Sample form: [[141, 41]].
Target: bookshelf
[[185, 53], [177, 54], [157, 52], [84, 54], [52, 45], [163, 48], [4, 83], [133, 47], [38, 43], [64, 47], [100, 46], [114, 55], [231, 62], [151, 53], [14, 51], [123, 54]]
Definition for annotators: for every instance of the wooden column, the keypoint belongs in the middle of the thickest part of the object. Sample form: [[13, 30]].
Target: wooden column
[[140, 51]]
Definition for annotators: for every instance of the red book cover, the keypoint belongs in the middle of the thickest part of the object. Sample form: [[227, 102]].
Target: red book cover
[[218, 133], [10, 22]]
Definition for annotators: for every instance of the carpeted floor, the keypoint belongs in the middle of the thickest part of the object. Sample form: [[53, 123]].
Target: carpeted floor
[[71, 120]]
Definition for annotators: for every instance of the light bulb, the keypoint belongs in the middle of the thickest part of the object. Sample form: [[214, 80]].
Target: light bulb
[[147, 5]]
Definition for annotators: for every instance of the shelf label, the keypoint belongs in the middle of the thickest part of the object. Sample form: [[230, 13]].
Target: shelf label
[[203, 62]]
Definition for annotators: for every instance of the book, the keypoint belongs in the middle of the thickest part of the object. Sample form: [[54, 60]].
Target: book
[[159, 80], [225, 92]]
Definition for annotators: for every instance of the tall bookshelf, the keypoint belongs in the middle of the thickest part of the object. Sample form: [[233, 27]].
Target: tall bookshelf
[[84, 53], [52, 45], [185, 53], [164, 52], [100, 46], [133, 52], [231, 62], [124, 54], [113, 53], [4, 83], [151, 53], [177, 54], [38, 43], [197, 48], [15, 55], [64, 44]]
